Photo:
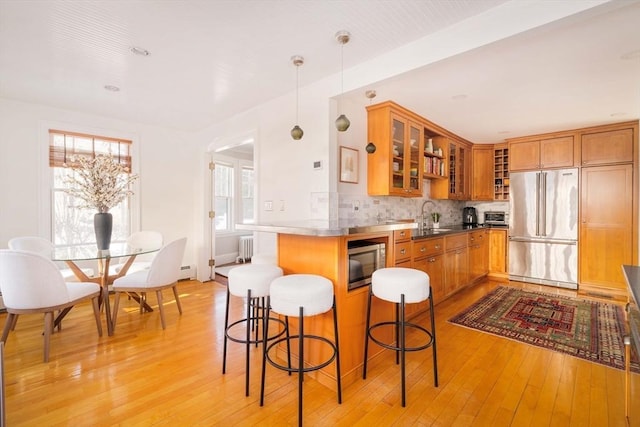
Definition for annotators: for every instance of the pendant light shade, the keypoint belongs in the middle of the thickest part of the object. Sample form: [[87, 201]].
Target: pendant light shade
[[343, 37], [371, 148], [297, 132], [342, 123]]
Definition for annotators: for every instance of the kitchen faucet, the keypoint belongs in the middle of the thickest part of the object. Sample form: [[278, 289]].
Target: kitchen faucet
[[423, 220]]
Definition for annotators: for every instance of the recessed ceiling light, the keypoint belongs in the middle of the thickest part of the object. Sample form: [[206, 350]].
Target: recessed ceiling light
[[112, 88], [459, 97], [634, 54], [139, 51], [618, 114]]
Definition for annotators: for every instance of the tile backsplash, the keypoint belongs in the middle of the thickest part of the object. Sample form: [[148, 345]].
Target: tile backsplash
[[368, 208]]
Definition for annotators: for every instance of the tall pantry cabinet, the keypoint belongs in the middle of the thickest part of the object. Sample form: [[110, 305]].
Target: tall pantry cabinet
[[608, 207]]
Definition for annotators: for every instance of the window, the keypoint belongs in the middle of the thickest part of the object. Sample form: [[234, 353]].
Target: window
[[234, 193], [70, 225], [224, 196], [248, 186]]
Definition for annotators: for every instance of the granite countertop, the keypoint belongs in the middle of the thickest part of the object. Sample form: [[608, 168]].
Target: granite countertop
[[343, 227]]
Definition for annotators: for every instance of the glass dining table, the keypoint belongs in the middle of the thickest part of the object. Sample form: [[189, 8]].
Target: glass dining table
[[73, 255]]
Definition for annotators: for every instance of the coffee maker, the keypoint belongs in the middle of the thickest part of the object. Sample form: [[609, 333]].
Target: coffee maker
[[469, 216]]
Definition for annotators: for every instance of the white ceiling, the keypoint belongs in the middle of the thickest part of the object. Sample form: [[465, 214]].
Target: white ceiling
[[213, 59]]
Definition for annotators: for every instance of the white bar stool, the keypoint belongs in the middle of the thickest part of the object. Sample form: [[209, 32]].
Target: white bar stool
[[253, 282], [301, 295], [401, 286]]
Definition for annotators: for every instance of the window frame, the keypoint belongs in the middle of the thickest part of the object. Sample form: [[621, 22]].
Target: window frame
[[45, 174], [236, 208]]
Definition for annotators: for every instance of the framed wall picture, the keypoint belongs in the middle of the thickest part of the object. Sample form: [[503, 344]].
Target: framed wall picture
[[348, 165]]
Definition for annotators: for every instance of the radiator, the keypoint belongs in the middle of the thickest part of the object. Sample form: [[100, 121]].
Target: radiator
[[245, 248]]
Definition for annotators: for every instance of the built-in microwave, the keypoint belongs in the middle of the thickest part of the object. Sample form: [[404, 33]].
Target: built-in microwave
[[365, 257]]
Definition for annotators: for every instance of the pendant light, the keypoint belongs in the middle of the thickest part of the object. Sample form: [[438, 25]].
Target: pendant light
[[297, 132], [371, 147], [343, 37]]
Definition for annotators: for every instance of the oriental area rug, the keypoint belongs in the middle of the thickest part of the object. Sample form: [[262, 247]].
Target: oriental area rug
[[586, 329]]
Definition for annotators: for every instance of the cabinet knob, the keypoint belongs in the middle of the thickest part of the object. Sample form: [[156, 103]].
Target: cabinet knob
[[402, 233], [423, 249], [432, 260], [437, 246], [403, 251]]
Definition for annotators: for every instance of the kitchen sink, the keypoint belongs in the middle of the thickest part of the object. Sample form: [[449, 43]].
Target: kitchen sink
[[439, 230]]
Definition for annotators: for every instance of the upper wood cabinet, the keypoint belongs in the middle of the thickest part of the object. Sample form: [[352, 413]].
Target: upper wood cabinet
[[482, 172], [501, 172], [401, 162], [396, 167], [609, 147], [547, 153], [457, 186]]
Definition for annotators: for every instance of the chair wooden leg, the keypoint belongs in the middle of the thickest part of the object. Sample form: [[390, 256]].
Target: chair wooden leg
[[14, 322], [96, 313], [143, 300], [8, 326], [114, 315], [175, 294], [160, 304], [48, 327]]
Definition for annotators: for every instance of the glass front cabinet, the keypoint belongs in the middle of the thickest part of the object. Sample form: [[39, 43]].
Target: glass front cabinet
[[394, 169]]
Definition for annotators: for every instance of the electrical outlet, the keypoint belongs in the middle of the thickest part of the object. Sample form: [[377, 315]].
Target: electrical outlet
[[268, 205]]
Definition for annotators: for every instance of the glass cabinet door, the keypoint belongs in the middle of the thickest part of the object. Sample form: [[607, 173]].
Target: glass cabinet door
[[462, 187], [414, 183], [453, 168], [398, 138]]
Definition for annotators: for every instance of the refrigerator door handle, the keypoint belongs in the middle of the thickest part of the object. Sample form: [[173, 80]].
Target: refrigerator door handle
[[528, 240], [543, 204], [538, 178]]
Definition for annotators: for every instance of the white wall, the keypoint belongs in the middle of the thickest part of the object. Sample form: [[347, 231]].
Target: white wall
[[166, 160]]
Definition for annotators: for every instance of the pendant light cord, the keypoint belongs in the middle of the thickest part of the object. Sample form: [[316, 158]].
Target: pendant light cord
[[297, 91]]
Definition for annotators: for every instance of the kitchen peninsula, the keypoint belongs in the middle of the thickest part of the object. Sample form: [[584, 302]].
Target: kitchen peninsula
[[322, 247]]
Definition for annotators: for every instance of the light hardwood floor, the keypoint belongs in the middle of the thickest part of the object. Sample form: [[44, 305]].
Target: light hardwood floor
[[145, 376]]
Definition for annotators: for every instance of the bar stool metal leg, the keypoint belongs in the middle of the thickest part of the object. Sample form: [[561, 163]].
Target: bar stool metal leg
[[433, 337], [226, 327], [366, 337]]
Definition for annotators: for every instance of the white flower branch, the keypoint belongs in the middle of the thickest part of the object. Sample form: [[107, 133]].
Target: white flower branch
[[100, 182]]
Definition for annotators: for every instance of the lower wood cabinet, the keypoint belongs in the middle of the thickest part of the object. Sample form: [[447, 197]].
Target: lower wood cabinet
[[498, 245], [456, 263], [478, 243], [427, 256]]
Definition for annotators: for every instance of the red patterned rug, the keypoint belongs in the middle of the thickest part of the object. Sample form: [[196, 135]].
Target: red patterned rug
[[586, 329]]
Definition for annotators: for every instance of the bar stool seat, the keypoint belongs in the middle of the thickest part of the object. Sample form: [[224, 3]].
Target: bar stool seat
[[301, 295], [401, 286], [252, 282]]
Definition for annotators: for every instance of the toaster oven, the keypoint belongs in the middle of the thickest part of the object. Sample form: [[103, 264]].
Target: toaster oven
[[496, 218]]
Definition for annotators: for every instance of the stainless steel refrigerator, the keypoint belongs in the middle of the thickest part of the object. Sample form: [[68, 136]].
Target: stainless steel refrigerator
[[543, 227]]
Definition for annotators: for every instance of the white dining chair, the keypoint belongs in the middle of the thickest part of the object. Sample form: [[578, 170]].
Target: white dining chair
[[140, 240], [44, 247], [162, 274], [32, 283]]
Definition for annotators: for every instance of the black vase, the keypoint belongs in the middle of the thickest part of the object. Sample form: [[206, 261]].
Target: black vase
[[103, 224]]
